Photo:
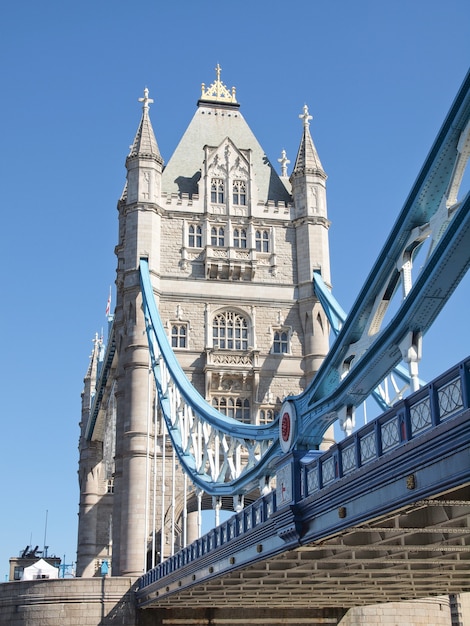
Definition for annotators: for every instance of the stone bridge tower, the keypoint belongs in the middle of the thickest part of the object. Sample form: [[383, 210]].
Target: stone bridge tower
[[231, 247]]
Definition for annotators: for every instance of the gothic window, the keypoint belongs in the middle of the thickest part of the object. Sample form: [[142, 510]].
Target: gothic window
[[217, 191], [281, 342], [195, 236], [238, 408], [239, 192], [239, 238], [266, 416], [262, 240], [179, 335], [230, 331], [217, 236]]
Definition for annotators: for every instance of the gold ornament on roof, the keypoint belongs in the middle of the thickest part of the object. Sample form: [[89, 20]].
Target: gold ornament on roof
[[218, 92]]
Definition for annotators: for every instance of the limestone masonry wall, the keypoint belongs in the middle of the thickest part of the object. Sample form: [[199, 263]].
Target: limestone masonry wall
[[110, 601], [68, 602]]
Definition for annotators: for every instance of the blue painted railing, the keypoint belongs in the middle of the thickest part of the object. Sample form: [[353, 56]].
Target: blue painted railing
[[413, 417]]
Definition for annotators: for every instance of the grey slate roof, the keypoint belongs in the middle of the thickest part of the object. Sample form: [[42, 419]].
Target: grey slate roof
[[210, 126]]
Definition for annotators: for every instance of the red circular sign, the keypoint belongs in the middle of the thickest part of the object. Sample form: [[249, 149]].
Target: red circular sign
[[285, 426]]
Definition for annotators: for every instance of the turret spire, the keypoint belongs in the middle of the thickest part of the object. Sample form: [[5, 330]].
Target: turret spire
[[145, 143], [307, 156]]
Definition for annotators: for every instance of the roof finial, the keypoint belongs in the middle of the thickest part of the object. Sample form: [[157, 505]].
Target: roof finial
[[284, 161], [218, 92], [306, 117], [146, 100]]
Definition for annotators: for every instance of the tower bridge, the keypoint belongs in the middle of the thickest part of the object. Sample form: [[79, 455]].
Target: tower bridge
[[219, 383], [380, 517]]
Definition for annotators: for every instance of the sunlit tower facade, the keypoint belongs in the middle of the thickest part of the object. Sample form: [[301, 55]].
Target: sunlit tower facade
[[232, 246]]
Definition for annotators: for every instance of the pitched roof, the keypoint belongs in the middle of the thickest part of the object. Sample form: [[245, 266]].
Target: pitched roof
[[212, 123]]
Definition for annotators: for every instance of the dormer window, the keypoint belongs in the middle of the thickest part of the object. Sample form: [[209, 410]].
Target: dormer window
[[239, 192], [239, 238], [217, 191]]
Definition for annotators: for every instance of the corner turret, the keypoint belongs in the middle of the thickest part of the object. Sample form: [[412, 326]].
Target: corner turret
[[144, 163], [308, 180]]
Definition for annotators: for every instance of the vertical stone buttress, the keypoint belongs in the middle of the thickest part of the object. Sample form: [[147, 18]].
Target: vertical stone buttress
[[94, 506], [139, 236], [308, 181]]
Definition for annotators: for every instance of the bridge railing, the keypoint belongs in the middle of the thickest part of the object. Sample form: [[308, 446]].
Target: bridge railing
[[247, 519], [406, 420], [410, 418]]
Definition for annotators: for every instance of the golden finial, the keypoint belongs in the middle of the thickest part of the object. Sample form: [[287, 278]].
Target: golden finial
[[218, 92]]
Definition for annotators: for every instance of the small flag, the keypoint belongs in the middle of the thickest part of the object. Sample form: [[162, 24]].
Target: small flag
[[108, 306]]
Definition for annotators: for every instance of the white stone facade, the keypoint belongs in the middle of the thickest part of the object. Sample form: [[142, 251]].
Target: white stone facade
[[231, 248]]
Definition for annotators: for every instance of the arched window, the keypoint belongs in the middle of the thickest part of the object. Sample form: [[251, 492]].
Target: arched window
[[217, 236], [195, 236], [230, 331], [281, 342], [239, 238], [239, 192], [266, 416], [262, 240], [217, 191], [238, 408], [179, 333]]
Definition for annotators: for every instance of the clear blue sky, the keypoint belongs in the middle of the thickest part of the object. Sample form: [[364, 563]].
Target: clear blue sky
[[378, 77]]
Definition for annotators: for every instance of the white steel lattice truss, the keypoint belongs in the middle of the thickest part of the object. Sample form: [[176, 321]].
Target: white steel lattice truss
[[222, 455], [226, 457]]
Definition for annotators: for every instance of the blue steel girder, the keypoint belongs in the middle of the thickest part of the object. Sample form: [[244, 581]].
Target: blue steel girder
[[210, 445], [336, 316], [221, 455], [364, 352]]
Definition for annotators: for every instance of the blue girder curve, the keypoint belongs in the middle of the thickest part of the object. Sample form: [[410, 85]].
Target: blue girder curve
[[336, 316], [363, 353], [194, 425]]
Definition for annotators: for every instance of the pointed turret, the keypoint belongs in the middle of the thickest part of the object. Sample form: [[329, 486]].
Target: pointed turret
[[307, 157], [145, 144], [144, 162], [308, 176], [308, 181]]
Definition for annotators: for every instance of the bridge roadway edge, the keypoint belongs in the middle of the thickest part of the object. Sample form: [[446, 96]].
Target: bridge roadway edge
[[109, 602], [418, 459], [371, 492]]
